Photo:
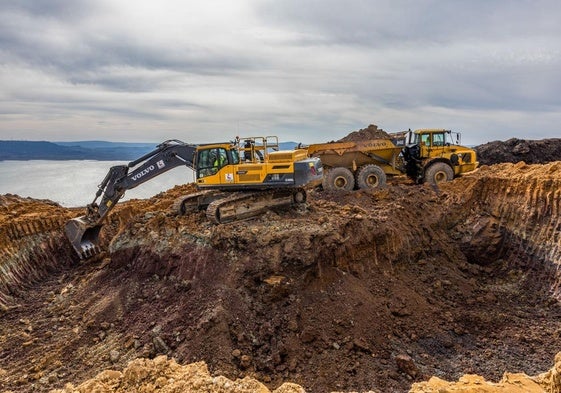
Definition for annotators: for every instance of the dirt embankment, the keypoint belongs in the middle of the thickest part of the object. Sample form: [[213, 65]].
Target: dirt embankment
[[515, 150], [548, 382], [358, 291], [30, 231]]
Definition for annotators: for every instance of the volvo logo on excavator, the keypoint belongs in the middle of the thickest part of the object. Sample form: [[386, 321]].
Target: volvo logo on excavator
[[143, 172]]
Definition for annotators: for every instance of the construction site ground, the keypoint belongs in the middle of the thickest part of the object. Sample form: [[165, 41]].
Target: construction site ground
[[356, 291]]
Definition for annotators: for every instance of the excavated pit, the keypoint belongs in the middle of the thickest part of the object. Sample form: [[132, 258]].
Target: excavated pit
[[358, 291], [514, 219]]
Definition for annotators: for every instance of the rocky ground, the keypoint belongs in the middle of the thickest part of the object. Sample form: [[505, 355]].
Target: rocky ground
[[163, 375], [358, 291]]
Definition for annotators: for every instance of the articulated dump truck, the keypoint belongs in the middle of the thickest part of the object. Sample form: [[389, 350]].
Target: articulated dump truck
[[426, 155]]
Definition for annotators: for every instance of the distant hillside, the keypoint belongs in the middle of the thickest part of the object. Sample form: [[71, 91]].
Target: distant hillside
[[89, 150], [108, 145]]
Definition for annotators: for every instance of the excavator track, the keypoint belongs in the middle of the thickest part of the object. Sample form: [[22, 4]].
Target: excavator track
[[191, 203], [244, 205]]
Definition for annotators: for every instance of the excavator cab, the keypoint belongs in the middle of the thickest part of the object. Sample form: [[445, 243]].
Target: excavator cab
[[211, 159]]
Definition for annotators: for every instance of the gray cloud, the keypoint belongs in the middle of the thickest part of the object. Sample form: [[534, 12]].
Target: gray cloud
[[385, 23], [307, 70], [49, 37], [454, 54]]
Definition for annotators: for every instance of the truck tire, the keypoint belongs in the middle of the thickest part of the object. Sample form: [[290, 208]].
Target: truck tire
[[439, 172], [339, 179], [370, 177]]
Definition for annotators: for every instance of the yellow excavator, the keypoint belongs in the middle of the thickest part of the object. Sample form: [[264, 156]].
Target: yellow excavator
[[236, 180]]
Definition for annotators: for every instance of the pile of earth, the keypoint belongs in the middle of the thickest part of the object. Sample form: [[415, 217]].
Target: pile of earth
[[166, 376], [515, 150], [370, 132], [163, 375], [548, 382], [356, 291]]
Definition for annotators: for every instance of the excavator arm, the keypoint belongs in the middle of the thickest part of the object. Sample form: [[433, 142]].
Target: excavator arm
[[83, 232]]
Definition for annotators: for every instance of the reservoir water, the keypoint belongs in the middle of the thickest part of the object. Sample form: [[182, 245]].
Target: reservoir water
[[74, 183]]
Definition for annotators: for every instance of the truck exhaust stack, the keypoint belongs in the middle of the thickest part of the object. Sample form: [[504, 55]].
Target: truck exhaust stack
[[83, 236]]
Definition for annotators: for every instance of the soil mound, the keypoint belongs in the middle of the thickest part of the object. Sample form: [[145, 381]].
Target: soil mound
[[548, 382], [370, 132], [166, 376], [356, 291], [163, 375], [516, 150]]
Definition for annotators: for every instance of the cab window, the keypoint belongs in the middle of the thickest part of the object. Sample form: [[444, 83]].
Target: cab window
[[235, 156], [438, 139], [425, 139], [209, 161]]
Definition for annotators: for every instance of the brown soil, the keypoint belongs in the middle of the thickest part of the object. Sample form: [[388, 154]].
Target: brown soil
[[163, 375], [548, 382], [364, 134], [358, 291], [515, 150]]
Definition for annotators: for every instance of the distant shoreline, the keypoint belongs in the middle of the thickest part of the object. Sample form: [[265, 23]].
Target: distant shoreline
[[63, 151]]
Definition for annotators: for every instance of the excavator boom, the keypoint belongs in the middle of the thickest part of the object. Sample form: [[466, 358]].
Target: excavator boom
[[83, 232]]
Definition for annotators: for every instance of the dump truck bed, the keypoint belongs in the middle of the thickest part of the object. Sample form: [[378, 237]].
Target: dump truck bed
[[382, 152]]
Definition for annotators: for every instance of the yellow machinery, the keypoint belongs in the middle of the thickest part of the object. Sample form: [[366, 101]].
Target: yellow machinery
[[427, 155], [362, 164], [237, 180], [435, 155]]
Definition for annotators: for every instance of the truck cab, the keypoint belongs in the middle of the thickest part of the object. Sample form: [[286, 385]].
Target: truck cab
[[435, 155]]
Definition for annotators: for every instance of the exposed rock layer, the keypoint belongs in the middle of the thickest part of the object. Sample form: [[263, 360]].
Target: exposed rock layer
[[548, 382], [513, 213], [30, 236], [166, 376]]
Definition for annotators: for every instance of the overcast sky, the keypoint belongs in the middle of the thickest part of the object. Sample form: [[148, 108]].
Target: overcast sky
[[305, 70]]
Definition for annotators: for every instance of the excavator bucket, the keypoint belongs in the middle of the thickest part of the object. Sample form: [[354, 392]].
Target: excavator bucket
[[83, 236]]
